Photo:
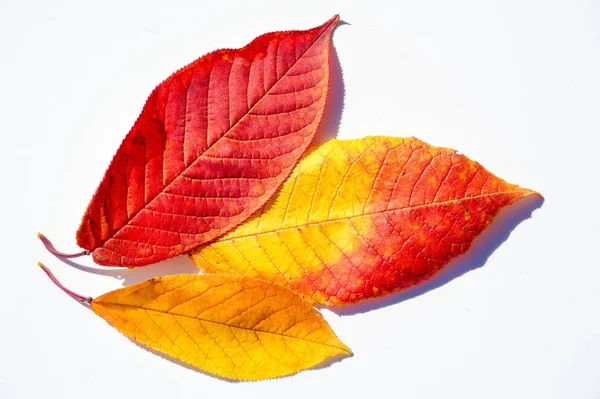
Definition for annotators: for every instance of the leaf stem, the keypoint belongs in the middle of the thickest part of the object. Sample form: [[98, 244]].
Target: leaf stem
[[53, 250], [80, 298]]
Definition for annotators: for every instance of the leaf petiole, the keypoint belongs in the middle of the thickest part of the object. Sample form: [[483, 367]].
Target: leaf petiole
[[88, 300], [53, 250]]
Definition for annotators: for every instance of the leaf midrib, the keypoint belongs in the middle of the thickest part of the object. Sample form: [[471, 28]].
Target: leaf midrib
[[406, 208], [114, 304]]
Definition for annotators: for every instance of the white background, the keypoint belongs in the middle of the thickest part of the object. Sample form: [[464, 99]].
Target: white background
[[514, 85]]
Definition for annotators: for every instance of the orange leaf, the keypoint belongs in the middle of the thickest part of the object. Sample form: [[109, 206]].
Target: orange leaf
[[230, 326], [362, 218]]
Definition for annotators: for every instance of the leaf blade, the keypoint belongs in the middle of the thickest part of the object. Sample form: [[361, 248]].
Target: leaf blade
[[233, 327], [213, 143], [362, 218]]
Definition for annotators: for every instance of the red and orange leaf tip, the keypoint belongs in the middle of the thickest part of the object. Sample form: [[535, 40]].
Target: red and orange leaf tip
[[358, 219], [230, 326], [212, 144]]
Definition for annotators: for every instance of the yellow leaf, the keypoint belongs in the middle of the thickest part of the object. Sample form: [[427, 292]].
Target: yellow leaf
[[362, 218], [230, 326]]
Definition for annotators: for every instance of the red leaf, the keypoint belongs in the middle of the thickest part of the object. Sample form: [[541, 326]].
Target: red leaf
[[212, 144]]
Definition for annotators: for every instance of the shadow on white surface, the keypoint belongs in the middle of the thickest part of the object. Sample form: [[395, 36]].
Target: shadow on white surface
[[178, 265], [474, 258], [330, 124]]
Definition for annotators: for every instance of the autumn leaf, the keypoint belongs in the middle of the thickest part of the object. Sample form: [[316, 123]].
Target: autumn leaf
[[230, 326], [212, 144], [358, 219]]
